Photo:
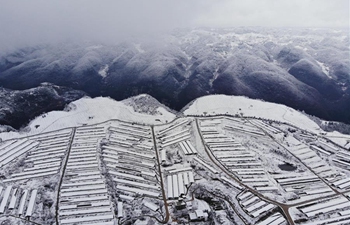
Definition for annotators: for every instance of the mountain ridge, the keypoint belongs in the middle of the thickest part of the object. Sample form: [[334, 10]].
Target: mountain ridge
[[307, 69], [92, 111], [17, 108]]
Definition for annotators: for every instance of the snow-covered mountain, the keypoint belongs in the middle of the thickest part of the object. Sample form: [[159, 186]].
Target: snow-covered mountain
[[87, 111], [242, 106], [307, 69], [144, 109], [17, 108]]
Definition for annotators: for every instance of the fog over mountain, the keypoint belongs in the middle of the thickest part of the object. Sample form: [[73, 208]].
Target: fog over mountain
[[307, 69], [260, 49], [26, 23]]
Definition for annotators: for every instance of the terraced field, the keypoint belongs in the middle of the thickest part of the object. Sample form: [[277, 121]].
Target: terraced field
[[193, 169]]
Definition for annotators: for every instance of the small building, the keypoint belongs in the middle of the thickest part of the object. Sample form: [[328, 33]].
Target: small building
[[198, 215], [120, 210], [180, 205], [163, 157], [150, 205], [193, 217], [189, 205], [31, 204]]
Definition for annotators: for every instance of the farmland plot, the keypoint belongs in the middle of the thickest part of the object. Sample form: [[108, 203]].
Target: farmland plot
[[179, 150], [178, 182], [253, 205], [253, 171], [44, 160], [275, 219], [177, 143], [334, 210], [130, 159], [176, 133], [260, 162], [309, 157], [33, 175], [342, 158], [83, 196], [244, 164]]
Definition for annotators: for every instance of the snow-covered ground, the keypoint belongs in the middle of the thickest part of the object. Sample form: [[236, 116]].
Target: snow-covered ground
[[251, 165], [104, 71], [325, 69], [339, 138], [88, 111], [223, 104]]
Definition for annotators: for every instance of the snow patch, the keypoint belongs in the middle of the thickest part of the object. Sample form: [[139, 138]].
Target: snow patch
[[140, 96], [104, 71], [164, 112], [94, 47], [301, 48], [138, 48], [325, 69]]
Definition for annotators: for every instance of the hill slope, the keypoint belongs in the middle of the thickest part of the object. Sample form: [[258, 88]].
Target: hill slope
[[17, 108], [86, 111], [243, 106]]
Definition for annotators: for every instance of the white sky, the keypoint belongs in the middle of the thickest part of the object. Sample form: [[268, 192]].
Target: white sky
[[24, 22]]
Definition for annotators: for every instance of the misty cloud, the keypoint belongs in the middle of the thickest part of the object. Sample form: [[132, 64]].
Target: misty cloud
[[40, 21], [277, 13]]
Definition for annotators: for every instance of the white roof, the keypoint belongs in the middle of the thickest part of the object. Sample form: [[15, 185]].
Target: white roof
[[193, 216], [199, 213]]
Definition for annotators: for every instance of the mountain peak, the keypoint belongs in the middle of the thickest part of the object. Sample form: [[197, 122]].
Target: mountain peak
[[145, 103]]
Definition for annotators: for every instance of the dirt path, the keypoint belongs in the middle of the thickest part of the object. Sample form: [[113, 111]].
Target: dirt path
[[167, 215], [63, 170], [285, 208]]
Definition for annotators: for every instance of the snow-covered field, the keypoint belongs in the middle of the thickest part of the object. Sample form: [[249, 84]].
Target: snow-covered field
[[231, 105]]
